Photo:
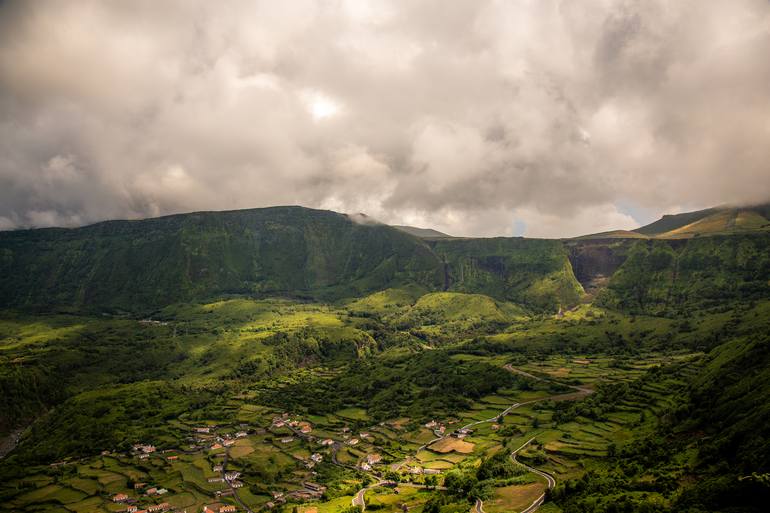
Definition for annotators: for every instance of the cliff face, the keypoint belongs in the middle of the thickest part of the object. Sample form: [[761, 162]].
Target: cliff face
[[672, 276], [533, 272], [141, 265], [138, 266], [595, 261]]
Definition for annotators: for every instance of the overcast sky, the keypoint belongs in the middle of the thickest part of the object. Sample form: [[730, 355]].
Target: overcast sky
[[509, 117]]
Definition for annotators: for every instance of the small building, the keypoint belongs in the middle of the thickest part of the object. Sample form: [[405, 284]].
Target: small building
[[151, 491], [316, 457], [132, 509], [236, 484], [120, 497], [314, 486], [372, 459], [365, 467], [214, 447], [215, 480], [227, 509], [208, 509], [203, 430], [217, 468], [241, 434], [432, 424], [287, 440], [230, 476], [327, 442], [353, 441]]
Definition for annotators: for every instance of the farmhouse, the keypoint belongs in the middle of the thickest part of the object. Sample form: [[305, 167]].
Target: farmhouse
[[121, 497], [314, 486]]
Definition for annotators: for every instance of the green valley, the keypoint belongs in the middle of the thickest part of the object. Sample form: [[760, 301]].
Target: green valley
[[303, 361]]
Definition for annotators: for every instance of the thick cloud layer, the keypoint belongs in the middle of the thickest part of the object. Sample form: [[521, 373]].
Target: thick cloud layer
[[541, 117]]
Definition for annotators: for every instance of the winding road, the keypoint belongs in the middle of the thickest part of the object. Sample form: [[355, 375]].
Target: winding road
[[548, 477], [358, 499], [230, 484]]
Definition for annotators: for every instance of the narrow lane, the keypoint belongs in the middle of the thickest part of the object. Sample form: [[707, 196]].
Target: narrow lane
[[232, 488], [548, 477]]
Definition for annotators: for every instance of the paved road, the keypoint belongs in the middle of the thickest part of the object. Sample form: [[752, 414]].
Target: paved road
[[511, 368], [358, 499], [548, 477], [234, 490]]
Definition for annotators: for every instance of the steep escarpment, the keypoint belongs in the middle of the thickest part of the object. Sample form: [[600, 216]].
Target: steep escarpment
[[534, 272], [146, 264], [595, 261], [138, 266], [672, 276]]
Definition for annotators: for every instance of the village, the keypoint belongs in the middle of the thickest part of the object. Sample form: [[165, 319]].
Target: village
[[216, 444]]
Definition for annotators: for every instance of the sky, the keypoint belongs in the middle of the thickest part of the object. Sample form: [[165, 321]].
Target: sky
[[543, 118]]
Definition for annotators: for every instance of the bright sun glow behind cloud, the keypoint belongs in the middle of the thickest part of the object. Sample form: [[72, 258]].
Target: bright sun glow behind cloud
[[320, 106]]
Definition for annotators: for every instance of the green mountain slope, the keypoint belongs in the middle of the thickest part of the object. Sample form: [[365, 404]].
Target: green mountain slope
[[536, 272], [665, 277], [423, 233], [140, 266], [154, 262], [711, 221]]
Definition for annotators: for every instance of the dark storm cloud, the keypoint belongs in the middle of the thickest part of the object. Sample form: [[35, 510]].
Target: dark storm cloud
[[472, 117]]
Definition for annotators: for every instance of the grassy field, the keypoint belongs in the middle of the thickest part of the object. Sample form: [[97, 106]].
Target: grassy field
[[235, 365]]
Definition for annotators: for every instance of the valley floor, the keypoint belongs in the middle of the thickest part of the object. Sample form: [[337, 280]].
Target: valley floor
[[304, 408]]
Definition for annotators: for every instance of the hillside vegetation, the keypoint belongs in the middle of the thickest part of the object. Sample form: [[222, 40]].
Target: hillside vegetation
[[322, 353], [283, 251], [670, 277]]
